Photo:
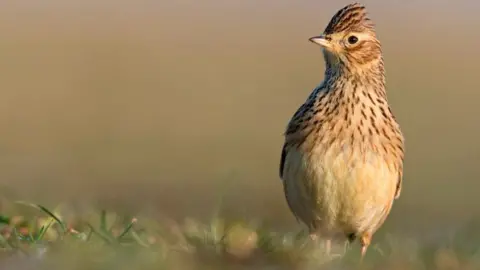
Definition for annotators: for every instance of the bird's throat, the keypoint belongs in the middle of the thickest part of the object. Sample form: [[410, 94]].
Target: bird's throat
[[336, 69]]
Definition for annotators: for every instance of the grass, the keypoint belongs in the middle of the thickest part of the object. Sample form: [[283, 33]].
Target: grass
[[36, 236]]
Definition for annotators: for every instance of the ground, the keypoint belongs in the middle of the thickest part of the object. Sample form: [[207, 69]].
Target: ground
[[35, 237]]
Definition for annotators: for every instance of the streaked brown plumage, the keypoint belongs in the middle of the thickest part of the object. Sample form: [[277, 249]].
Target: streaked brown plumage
[[342, 160]]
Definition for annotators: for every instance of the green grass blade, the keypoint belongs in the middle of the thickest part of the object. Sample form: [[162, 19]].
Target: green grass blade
[[4, 219], [30, 237], [48, 212], [127, 229], [106, 238], [89, 235], [139, 240], [43, 230], [103, 221]]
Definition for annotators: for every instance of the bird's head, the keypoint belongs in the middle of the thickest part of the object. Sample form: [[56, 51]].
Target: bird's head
[[350, 38]]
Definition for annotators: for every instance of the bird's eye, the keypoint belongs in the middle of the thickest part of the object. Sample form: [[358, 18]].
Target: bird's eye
[[352, 39]]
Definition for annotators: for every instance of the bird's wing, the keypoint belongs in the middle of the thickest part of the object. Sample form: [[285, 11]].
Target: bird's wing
[[296, 132], [282, 159], [400, 160], [296, 129], [292, 128], [399, 185]]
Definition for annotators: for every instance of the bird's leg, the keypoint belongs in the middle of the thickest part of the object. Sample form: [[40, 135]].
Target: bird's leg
[[328, 242], [365, 242], [328, 246], [314, 238], [350, 239]]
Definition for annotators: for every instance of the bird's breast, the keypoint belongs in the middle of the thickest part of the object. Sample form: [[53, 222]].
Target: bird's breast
[[354, 182], [351, 186]]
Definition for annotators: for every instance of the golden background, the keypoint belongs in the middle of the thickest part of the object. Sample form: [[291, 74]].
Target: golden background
[[168, 105]]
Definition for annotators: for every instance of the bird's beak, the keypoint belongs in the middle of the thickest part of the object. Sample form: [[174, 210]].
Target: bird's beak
[[321, 40]]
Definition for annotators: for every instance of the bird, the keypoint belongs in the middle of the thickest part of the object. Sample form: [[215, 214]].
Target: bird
[[342, 158]]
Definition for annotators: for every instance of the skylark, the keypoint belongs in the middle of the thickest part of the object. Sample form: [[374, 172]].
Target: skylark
[[342, 160]]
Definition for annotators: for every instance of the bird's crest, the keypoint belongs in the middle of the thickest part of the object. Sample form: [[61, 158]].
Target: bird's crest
[[348, 18]]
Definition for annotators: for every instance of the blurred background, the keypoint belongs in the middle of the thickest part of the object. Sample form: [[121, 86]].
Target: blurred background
[[167, 106]]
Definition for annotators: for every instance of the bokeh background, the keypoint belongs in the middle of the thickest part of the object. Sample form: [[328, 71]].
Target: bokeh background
[[168, 106]]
